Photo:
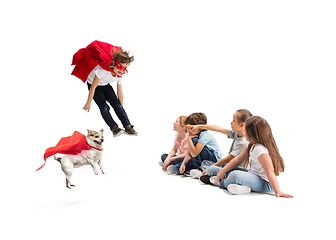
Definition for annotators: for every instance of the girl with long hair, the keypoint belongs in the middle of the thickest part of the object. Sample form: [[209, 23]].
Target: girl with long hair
[[264, 158]]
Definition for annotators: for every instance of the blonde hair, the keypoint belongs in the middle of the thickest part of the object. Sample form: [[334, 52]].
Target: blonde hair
[[182, 120]]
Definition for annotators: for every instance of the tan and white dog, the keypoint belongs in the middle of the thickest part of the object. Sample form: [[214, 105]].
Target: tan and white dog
[[86, 157]]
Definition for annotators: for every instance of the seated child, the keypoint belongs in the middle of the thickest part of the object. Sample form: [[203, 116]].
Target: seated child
[[239, 143], [180, 149], [202, 145], [264, 158]]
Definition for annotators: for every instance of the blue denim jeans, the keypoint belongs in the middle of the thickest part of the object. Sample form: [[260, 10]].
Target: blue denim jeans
[[104, 94], [256, 183], [195, 162], [214, 170]]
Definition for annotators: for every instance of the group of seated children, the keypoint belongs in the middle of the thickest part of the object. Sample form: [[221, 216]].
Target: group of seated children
[[253, 161]]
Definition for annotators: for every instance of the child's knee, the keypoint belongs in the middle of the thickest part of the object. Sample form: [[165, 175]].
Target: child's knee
[[213, 170], [235, 177], [104, 108], [164, 157]]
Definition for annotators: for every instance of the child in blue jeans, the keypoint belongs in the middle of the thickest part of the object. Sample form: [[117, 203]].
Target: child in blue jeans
[[262, 154], [239, 143], [202, 145]]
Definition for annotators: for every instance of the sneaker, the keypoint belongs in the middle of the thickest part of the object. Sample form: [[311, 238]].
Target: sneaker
[[205, 179], [171, 169], [195, 173], [238, 189], [129, 130], [187, 174], [214, 181], [117, 131]]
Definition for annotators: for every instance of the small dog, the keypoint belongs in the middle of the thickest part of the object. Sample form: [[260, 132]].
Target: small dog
[[86, 157]]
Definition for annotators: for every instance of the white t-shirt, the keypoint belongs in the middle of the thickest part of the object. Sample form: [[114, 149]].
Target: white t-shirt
[[104, 76], [255, 166]]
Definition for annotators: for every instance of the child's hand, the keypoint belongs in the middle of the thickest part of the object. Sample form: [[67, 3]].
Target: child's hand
[[204, 172], [193, 128], [87, 107], [182, 168], [281, 194], [220, 176], [166, 163]]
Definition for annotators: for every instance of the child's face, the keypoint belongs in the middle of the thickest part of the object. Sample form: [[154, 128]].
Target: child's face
[[235, 125], [177, 125], [120, 70]]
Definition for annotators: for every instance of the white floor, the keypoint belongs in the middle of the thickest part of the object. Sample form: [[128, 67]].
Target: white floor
[[135, 198], [276, 59]]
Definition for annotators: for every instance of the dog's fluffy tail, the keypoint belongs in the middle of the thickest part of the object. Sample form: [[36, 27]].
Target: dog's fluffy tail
[[57, 158]]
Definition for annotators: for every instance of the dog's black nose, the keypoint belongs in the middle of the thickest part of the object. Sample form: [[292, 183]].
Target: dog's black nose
[[102, 140]]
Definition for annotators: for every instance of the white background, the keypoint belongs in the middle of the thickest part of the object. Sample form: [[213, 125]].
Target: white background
[[276, 59]]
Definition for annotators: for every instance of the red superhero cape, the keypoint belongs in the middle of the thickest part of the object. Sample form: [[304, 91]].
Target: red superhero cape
[[68, 145], [86, 59]]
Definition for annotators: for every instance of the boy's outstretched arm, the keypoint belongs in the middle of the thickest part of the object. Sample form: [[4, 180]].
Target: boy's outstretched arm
[[214, 128]]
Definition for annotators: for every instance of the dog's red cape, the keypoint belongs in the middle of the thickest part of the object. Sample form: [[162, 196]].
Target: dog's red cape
[[86, 59], [68, 145]]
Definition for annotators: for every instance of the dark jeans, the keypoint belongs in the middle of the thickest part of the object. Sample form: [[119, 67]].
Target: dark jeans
[[195, 162], [104, 94], [176, 161]]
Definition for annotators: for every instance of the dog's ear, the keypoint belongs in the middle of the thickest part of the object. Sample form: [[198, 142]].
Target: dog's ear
[[89, 132], [101, 131]]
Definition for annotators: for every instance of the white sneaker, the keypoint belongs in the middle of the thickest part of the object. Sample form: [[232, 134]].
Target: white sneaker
[[171, 169], [214, 181], [195, 173], [238, 189]]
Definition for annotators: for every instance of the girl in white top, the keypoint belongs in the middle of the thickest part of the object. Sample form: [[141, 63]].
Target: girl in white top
[[180, 148], [264, 158]]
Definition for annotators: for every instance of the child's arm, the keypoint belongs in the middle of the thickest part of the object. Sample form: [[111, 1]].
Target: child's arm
[[183, 155], [184, 163], [221, 162], [266, 162], [168, 160], [194, 150], [209, 127], [94, 84], [225, 160], [120, 94], [232, 164]]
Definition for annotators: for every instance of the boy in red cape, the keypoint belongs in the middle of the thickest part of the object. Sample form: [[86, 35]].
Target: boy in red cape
[[99, 64]]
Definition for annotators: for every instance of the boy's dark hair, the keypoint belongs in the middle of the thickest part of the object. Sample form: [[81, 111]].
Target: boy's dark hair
[[243, 115], [196, 119]]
